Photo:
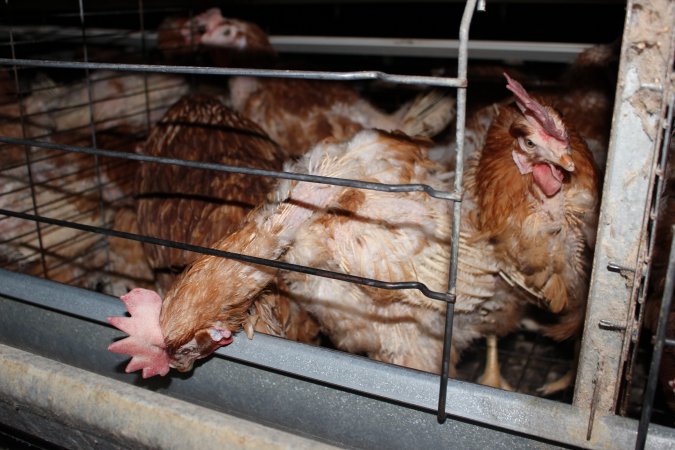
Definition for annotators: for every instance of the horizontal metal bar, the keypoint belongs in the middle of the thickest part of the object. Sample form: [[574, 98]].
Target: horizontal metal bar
[[614, 267], [101, 407], [199, 70], [382, 187], [238, 257], [354, 45], [519, 413], [606, 324], [429, 48]]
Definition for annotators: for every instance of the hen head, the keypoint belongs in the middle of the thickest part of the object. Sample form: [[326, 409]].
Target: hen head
[[150, 351], [543, 147], [212, 31], [236, 34]]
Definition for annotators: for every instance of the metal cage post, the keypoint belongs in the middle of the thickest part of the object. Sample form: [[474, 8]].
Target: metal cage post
[[641, 98]]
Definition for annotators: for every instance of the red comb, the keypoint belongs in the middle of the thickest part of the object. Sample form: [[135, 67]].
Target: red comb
[[145, 343], [527, 103], [210, 18]]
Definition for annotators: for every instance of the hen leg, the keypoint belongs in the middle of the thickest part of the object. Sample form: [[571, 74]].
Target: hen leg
[[492, 375], [566, 380], [558, 385]]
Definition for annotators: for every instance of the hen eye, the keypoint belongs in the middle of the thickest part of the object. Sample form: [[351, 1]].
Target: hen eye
[[529, 143]]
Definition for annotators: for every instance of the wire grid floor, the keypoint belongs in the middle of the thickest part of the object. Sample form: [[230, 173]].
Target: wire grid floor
[[528, 361], [661, 413]]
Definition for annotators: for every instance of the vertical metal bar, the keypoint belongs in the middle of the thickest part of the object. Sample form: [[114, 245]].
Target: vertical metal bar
[[639, 111], [462, 62], [597, 385], [27, 153], [92, 126], [85, 53], [141, 20], [648, 401], [193, 25], [526, 367]]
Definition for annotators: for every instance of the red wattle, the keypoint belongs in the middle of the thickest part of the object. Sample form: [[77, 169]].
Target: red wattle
[[550, 183]]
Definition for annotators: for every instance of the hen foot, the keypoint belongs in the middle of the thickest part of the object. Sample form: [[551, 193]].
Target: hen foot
[[492, 375], [558, 385]]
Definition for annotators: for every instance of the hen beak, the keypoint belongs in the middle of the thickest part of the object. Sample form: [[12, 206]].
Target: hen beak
[[182, 367], [566, 162]]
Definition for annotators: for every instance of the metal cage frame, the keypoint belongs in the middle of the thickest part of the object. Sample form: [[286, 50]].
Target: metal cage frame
[[478, 416]]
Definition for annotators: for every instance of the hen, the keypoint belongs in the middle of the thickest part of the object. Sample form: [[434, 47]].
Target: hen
[[299, 113], [346, 230], [536, 188], [128, 263], [226, 42], [116, 100], [200, 206], [73, 186]]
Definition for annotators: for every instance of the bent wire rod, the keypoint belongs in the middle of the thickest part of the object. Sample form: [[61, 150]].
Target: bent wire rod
[[421, 287], [443, 195]]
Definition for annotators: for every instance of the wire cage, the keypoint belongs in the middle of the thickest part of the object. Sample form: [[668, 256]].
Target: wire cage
[[82, 85]]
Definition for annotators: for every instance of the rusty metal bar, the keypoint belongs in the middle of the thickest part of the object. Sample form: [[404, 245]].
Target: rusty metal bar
[[652, 380], [651, 252]]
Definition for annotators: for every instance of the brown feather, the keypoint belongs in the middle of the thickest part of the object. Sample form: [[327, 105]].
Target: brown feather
[[300, 113], [198, 206]]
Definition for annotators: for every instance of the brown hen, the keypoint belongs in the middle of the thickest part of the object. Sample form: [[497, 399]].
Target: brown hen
[[224, 42], [196, 206], [536, 187], [300, 113]]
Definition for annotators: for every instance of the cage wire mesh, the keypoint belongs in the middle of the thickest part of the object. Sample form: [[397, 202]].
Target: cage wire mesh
[[83, 85], [84, 116], [60, 253]]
